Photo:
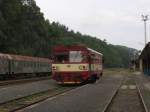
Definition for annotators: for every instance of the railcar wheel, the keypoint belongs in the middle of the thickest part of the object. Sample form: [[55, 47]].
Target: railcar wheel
[[93, 79]]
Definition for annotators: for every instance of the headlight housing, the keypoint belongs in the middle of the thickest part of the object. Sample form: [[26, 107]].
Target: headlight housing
[[83, 67]]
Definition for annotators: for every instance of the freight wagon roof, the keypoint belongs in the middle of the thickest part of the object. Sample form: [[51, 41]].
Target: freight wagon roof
[[58, 49], [145, 51], [6, 56], [28, 58], [24, 58]]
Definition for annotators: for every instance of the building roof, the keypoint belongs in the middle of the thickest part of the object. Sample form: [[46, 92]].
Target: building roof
[[145, 51]]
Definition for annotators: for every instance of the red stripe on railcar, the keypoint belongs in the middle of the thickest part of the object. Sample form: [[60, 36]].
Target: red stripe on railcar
[[71, 76]]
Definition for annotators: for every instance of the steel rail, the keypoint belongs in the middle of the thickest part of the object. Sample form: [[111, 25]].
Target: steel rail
[[115, 93], [47, 98], [10, 82], [112, 97], [141, 97], [37, 102]]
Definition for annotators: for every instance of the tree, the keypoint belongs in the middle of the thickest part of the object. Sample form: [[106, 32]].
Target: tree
[[24, 30]]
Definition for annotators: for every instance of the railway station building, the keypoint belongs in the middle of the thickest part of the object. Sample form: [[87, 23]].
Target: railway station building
[[144, 60]]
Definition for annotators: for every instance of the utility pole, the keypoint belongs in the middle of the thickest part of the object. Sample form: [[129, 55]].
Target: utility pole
[[145, 19]]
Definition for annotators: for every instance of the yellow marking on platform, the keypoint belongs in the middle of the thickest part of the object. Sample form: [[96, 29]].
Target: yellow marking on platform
[[132, 87], [124, 87]]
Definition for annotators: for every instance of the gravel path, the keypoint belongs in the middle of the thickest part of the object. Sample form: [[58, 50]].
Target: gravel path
[[127, 99]]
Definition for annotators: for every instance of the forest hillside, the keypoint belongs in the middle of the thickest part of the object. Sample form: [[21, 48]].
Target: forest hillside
[[25, 31]]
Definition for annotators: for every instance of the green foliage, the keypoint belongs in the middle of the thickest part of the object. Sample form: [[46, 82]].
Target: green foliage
[[24, 30]]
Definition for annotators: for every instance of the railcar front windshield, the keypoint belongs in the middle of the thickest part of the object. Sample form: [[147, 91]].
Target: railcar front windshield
[[75, 56], [71, 56], [61, 57]]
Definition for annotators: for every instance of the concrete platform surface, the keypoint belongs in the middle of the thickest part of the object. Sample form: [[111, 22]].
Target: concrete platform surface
[[88, 98], [8, 93]]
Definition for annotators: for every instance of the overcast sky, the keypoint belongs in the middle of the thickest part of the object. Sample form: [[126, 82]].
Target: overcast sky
[[117, 21]]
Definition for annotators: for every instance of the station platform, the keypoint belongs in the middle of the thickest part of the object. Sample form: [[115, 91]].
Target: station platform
[[11, 92]]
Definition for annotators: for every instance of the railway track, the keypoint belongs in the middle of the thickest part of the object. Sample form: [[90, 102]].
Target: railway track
[[142, 99], [26, 80], [127, 98], [23, 104]]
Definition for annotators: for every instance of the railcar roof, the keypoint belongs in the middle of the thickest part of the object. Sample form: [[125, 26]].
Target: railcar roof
[[68, 48], [145, 51], [74, 47], [94, 51]]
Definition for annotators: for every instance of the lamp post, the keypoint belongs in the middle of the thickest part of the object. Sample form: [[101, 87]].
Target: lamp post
[[145, 19]]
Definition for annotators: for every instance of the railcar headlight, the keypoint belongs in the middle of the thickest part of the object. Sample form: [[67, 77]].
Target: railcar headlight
[[54, 68], [82, 67]]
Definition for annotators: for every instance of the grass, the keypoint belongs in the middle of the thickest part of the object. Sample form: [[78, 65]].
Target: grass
[[116, 71]]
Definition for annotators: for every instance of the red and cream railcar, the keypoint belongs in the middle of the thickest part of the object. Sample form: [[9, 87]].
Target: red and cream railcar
[[76, 64]]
